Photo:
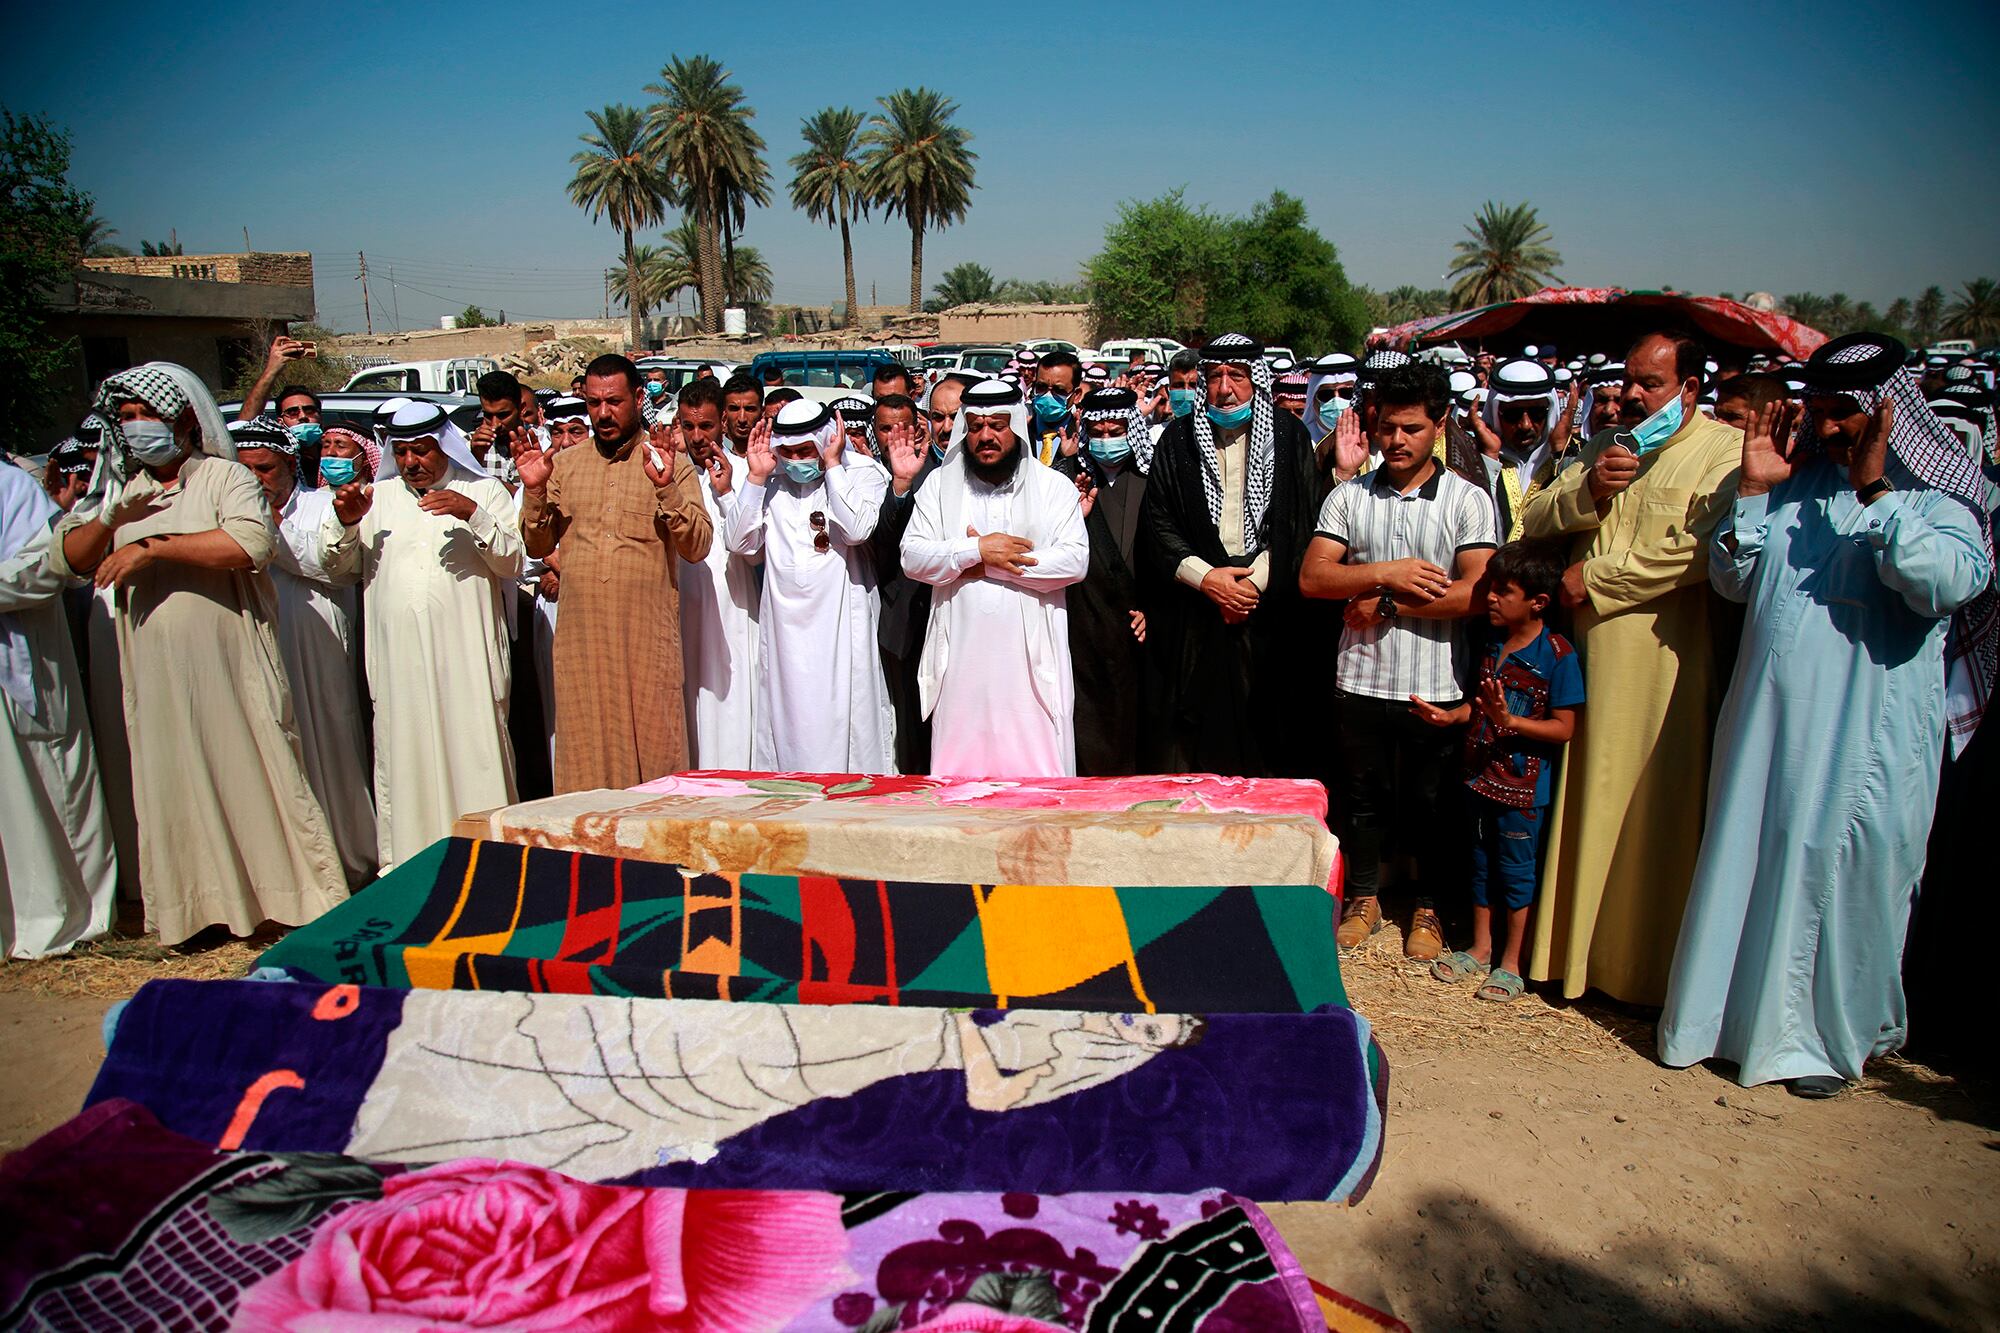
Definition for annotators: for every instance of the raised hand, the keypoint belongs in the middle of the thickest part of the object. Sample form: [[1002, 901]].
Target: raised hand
[[1866, 461], [836, 448], [1487, 437], [533, 464], [1612, 472], [1350, 445], [663, 441], [1492, 701], [758, 456], [352, 501], [719, 480], [904, 455], [1767, 447], [1572, 400], [1086, 493]]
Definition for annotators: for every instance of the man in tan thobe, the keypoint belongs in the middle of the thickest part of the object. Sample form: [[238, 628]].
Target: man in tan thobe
[[626, 511]]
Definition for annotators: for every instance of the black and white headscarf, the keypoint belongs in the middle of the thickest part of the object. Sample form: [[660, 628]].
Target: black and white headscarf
[[265, 433], [1379, 362], [1868, 367], [858, 411], [1235, 349], [1120, 405]]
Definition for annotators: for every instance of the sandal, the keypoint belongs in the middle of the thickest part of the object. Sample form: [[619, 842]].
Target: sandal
[[1501, 986], [1457, 967]]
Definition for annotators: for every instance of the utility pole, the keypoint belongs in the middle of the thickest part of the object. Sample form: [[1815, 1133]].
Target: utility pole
[[607, 293], [871, 295], [366, 316], [246, 240], [395, 302]]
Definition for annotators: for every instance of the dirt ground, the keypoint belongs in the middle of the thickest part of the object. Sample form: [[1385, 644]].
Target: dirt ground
[[1541, 1171]]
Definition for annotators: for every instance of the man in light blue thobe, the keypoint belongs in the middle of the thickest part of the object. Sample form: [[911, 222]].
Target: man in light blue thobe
[[1853, 548]]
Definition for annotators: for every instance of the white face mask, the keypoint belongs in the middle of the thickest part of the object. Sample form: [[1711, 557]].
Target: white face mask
[[152, 443]]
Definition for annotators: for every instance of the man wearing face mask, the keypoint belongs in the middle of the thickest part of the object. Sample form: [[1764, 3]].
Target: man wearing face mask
[[229, 832], [434, 543], [1178, 394], [719, 592], [1638, 512], [1107, 623], [1000, 538], [1229, 511], [316, 636], [657, 403], [1058, 386], [626, 511], [808, 505], [1340, 448]]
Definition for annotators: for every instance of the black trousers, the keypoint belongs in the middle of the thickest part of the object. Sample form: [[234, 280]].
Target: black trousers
[[913, 732], [1392, 770]]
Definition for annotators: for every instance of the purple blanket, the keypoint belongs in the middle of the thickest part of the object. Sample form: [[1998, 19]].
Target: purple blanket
[[114, 1221], [701, 1093]]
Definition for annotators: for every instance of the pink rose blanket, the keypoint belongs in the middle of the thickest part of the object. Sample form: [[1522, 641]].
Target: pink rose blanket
[[115, 1221]]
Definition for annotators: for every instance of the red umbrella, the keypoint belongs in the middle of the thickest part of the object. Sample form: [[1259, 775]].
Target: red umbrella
[[1607, 318]]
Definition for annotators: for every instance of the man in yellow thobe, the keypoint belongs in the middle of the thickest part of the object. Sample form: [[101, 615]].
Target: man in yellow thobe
[[1638, 510]]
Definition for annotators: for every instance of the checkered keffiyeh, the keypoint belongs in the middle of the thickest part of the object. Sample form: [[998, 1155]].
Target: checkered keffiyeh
[[371, 452], [1137, 431], [1931, 451], [264, 433], [1234, 349]]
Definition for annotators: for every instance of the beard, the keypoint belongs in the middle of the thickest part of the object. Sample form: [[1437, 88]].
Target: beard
[[995, 474]]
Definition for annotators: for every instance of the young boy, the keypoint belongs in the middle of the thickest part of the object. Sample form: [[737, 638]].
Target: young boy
[[1530, 687]]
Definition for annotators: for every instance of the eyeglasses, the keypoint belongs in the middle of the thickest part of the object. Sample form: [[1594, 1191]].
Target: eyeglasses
[[822, 541], [297, 413]]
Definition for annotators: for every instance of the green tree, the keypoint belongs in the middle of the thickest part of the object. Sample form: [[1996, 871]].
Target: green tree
[[1898, 317], [1808, 308], [41, 237], [619, 177], [1286, 285], [1928, 317], [1161, 265], [1015, 291], [472, 317], [827, 180], [322, 373], [702, 127], [1507, 254], [919, 168], [162, 249], [1975, 312], [748, 276], [964, 284], [664, 272], [94, 237]]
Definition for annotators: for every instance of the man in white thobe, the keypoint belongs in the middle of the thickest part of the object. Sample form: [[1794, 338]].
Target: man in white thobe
[[58, 872], [719, 593], [809, 503], [316, 641], [438, 550], [999, 535]]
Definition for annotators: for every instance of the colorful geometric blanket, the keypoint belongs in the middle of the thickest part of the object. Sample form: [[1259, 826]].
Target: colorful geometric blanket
[[117, 1222], [696, 1093], [1130, 831], [496, 916]]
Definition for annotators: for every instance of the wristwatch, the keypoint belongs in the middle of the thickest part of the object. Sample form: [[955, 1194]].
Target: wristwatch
[[1386, 607], [1879, 486]]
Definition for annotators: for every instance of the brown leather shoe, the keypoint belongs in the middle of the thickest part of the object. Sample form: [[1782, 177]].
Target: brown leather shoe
[[1425, 939], [1361, 918]]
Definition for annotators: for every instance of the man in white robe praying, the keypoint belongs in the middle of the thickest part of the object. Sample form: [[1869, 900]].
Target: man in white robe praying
[[719, 593], [809, 503], [438, 550], [58, 872], [316, 642], [999, 536]]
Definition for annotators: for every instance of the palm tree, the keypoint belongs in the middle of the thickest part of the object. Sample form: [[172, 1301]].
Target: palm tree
[[1975, 313], [620, 177], [827, 179], [1928, 316], [966, 284], [1899, 316], [919, 168], [93, 237], [1807, 308], [1507, 256], [703, 126], [663, 272], [1839, 314], [748, 277]]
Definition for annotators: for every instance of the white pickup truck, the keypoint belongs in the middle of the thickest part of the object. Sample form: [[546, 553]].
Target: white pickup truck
[[458, 375]]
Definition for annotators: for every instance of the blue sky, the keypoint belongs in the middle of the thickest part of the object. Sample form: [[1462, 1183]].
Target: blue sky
[[1782, 147]]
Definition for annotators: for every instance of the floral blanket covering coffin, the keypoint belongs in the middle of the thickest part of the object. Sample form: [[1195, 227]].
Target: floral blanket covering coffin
[[118, 1222], [700, 1093], [475, 915], [1195, 829]]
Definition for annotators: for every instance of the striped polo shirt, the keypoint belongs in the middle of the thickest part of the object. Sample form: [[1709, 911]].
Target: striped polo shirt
[[1447, 514]]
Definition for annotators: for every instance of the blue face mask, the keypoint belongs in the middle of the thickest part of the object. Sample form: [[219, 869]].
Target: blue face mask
[[1111, 448], [1050, 409], [1330, 412], [1182, 401], [1658, 428], [1226, 417], [805, 471], [654, 388], [152, 443], [305, 433], [336, 471]]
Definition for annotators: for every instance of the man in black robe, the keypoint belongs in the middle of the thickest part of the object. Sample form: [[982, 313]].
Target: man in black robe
[[1107, 620], [1229, 510]]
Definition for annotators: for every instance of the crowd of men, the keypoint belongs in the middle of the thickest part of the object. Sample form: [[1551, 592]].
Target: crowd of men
[[308, 650]]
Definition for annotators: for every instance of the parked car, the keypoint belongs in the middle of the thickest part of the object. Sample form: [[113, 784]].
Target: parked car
[[679, 371], [355, 409], [1152, 349], [458, 375], [844, 369], [1048, 345], [908, 353], [974, 360]]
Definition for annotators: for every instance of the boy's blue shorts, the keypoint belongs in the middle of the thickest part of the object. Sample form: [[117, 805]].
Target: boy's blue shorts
[[1505, 846]]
